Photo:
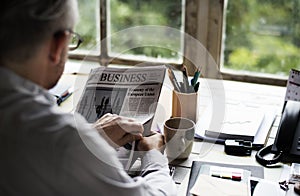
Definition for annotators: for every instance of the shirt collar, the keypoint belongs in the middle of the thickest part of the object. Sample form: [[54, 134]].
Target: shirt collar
[[13, 82]]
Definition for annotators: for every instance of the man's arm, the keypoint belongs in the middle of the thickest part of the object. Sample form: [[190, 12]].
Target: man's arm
[[97, 165]]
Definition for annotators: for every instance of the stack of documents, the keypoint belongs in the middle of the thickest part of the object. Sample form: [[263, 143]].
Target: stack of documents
[[238, 124]]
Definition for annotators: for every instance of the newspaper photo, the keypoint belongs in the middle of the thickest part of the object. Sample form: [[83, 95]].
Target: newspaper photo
[[131, 92]]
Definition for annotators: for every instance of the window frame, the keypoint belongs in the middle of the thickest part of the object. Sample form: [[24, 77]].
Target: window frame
[[103, 57], [208, 13]]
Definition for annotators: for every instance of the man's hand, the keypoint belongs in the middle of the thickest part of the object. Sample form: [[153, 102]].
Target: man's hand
[[155, 141], [118, 130]]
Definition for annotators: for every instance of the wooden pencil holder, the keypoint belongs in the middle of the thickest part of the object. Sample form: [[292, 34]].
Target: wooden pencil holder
[[185, 105]]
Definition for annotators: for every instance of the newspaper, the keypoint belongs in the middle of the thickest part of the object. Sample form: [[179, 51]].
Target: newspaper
[[131, 92]]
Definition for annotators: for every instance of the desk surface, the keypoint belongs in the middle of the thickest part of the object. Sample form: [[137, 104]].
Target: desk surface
[[230, 92]]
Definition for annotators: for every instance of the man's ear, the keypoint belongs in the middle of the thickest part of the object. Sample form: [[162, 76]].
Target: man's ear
[[58, 44]]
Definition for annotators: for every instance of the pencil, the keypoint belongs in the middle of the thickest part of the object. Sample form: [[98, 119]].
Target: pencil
[[173, 80]]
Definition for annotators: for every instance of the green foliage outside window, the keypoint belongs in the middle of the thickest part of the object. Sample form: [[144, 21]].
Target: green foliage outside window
[[88, 25], [130, 13], [263, 36]]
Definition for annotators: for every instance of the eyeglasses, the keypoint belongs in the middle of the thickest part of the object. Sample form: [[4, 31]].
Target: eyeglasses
[[74, 41]]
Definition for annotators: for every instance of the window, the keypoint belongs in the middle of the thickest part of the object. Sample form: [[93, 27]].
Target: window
[[88, 25], [113, 31], [130, 36], [243, 38], [262, 36]]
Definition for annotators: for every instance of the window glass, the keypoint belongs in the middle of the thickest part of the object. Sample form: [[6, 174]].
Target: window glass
[[262, 36], [128, 37], [88, 25]]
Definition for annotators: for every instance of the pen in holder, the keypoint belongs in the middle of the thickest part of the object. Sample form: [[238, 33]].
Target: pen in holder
[[185, 105]]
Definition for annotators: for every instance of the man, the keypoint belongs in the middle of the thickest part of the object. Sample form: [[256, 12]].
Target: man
[[45, 152]]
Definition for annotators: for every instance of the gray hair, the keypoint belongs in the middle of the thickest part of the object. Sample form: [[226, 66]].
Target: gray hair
[[26, 24]]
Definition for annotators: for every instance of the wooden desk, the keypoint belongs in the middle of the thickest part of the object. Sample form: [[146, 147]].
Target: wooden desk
[[231, 92]]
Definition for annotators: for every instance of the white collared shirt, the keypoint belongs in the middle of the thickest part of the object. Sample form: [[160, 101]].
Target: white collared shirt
[[46, 152]]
